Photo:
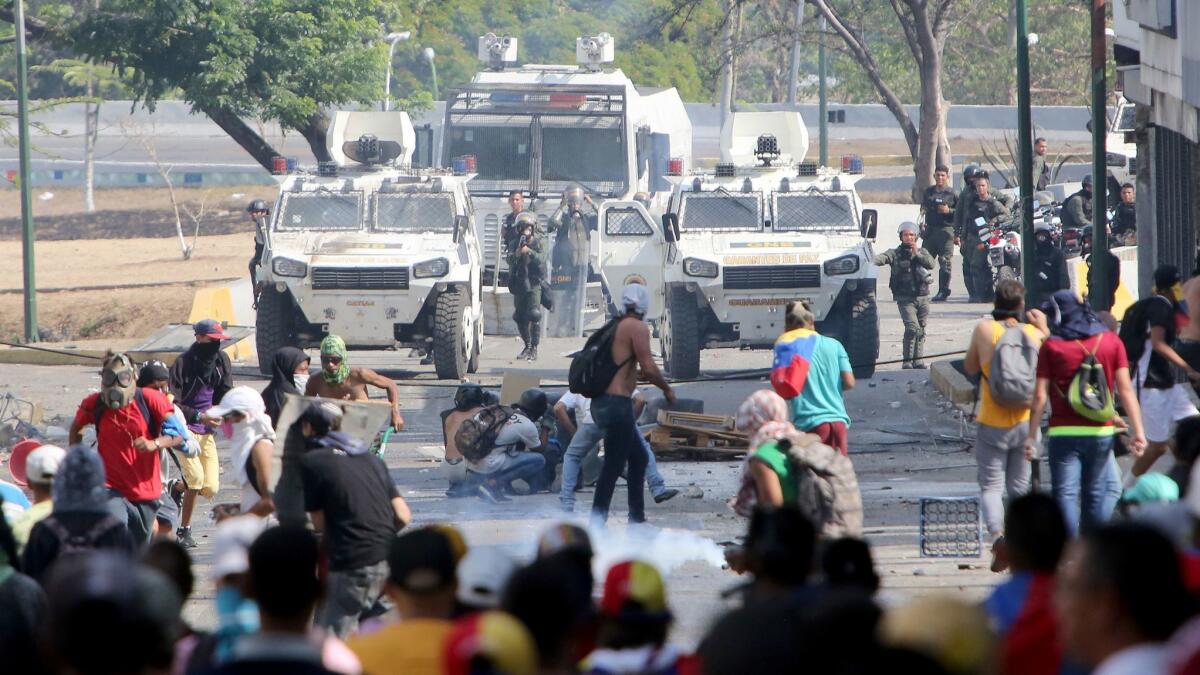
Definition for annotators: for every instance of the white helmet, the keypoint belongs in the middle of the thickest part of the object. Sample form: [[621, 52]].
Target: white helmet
[[908, 226]]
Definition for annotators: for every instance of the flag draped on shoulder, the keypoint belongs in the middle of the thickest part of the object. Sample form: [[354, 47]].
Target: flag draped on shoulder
[[793, 355]]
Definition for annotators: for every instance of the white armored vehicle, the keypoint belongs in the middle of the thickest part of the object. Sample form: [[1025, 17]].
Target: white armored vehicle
[[737, 245], [543, 128], [374, 252]]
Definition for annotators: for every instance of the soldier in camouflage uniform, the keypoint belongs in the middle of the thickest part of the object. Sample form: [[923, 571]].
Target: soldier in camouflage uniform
[[938, 236], [912, 270], [987, 205], [969, 173], [526, 270], [569, 260], [1077, 210]]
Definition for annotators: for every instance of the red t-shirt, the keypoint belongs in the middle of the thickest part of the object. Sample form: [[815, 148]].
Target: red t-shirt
[[1059, 359], [131, 472]]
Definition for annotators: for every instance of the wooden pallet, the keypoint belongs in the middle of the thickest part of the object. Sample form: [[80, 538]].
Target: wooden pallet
[[681, 435]]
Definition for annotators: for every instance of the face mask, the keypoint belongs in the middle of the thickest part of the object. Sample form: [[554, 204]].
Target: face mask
[[300, 380], [117, 383], [208, 349]]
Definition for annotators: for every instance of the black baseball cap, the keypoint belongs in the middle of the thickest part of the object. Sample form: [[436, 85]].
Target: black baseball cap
[[1166, 276], [422, 561]]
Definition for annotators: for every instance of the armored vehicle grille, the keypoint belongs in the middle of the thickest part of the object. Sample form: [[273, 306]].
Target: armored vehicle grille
[[772, 276], [359, 278]]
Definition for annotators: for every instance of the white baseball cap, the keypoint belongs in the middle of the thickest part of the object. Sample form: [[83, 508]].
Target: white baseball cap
[[231, 548], [482, 575], [42, 464]]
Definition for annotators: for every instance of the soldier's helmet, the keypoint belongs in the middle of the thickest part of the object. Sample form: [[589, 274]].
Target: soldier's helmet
[[971, 171], [525, 219], [573, 196]]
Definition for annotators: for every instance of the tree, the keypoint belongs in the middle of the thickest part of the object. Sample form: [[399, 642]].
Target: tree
[[925, 25], [283, 61], [94, 78]]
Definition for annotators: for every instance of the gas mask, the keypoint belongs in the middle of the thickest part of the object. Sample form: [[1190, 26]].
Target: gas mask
[[118, 381], [574, 199]]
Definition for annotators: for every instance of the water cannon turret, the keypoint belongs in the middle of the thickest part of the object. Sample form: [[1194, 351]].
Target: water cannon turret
[[497, 51], [370, 138], [764, 138], [766, 149], [593, 52]]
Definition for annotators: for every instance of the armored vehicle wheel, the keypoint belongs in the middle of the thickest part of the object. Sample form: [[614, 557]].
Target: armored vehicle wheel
[[681, 336], [450, 341], [273, 326], [862, 338]]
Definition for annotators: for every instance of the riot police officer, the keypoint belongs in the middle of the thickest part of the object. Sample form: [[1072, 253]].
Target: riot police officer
[[1049, 266], [960, 212], [987, 205], [938, 238], [912, 270], [259, 213], [569, 265], [516, 202], [1077, 210], [526, 270]]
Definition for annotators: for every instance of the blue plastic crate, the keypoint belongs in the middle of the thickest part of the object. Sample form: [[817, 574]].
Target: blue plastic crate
[[950, 527]]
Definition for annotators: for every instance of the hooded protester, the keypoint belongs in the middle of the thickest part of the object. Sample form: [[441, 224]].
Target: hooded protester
[[1083, 471], [1049, 267], [289, 375], [353, 502], [129, 436], [785, 466], [22, 608], [340, 382], [156, 375], [80, 520], [200, 378], [252, 444]]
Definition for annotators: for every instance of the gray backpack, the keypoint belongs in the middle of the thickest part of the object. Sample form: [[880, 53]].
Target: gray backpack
[[1014, 369]]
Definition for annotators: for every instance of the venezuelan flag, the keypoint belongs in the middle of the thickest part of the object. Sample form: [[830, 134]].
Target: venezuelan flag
[[793, 354]]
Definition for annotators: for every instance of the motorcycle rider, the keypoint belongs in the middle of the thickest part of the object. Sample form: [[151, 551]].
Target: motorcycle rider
[[526, 269], [1049, 266], [572, 250], [983, 203], [911, 273], [938, 238], [1077, 210]]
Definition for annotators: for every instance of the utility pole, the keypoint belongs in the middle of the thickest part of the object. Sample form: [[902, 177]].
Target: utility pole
[[794, 72], [1025, 149], [822, 111], [27, 233], [1098, 290], [727, 63]]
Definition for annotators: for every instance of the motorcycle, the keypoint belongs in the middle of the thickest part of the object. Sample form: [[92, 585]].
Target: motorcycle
[[1003, 249]]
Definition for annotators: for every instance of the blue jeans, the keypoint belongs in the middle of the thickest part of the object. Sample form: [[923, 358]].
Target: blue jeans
[[622, 445], [586, 437], [1084, 478], [516, 466]]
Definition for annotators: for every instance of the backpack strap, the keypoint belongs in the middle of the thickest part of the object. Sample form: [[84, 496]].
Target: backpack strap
[[153, 426]]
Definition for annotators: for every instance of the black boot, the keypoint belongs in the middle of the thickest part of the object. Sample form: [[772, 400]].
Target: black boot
[[532, 354], [523, 329], [535, 336], [943, 287]]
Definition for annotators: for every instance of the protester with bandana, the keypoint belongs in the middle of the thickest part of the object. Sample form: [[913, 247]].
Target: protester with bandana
[[252, 443], [129, 438], [340, 382], [1083, 471], [200, 377], [81, 514], [357, 509], [1149, 332]]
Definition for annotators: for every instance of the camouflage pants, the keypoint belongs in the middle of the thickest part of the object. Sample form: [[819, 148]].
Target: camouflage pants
[[913, 312], [939, 241]]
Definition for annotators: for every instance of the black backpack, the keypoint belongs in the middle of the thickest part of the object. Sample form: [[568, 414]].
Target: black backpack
[[476, 436], [79, 543], [593, 368], [153, 425], [1135, 326]]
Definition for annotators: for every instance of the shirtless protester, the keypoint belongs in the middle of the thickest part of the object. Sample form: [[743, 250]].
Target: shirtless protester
[[469, 399], [613, 411], [1188, 343], [340, 382]]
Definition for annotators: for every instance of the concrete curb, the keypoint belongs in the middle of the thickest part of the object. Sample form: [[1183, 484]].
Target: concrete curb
[[951, 383]]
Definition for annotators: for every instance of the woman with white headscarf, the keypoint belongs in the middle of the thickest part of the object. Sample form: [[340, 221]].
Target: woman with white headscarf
[[787, 466], [252, 441]]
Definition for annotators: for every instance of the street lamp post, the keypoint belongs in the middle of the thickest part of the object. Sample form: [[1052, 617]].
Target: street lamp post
[[391, 39], [27, 231], [429, 55]]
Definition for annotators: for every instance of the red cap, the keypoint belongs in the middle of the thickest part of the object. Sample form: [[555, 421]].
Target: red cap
[[211, 328]]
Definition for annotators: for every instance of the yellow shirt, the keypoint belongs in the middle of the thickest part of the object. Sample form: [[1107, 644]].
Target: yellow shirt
[[412, 647], [23, 524], [991, 413]]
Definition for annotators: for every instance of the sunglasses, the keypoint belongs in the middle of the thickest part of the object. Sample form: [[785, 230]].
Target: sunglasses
[[122, 378], [332, 360]]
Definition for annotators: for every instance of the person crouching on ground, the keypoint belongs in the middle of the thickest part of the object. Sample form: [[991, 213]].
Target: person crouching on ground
[[912, 268], [516, 452], [354, 504], [469, 399]]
